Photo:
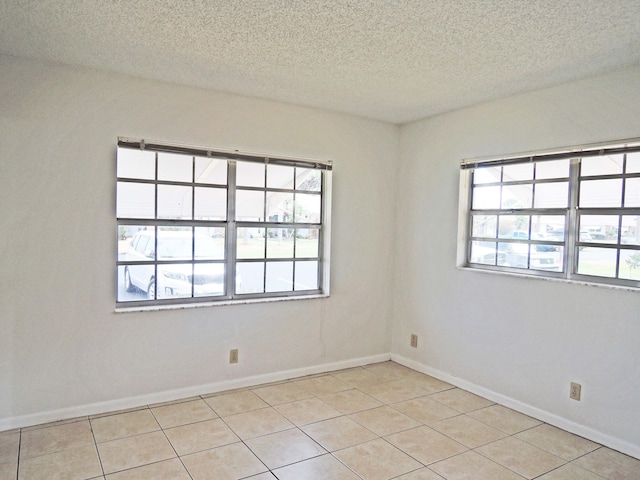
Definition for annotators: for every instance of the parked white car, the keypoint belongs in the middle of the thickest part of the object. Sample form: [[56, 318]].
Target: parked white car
[[175, 279]]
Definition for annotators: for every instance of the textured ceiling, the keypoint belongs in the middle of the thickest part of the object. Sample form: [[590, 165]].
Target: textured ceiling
[[393, 60]]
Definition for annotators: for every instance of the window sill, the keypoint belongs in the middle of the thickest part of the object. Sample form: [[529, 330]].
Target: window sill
[[182, 306], [550, 279]]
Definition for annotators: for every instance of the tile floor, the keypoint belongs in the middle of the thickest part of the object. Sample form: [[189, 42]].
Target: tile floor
[[378, 422]]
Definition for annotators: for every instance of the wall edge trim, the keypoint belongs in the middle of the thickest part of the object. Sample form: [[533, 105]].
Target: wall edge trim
[[141, 401]]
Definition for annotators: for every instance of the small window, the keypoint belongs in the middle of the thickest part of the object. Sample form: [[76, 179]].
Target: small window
[[573, 215], [200, 226]]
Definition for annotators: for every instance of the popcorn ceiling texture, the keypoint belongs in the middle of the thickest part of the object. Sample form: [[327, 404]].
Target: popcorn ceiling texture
[[392, 60]]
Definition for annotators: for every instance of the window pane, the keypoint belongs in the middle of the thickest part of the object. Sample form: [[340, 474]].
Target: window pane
[[136, 244], [251, 243], [135, 200], [484, 253], [630, 230], [486, 198], [630, 264], [279, 176], [280, 243], [522, 171], [175, 243], [174, 201], [174, 167], [599, 228], [484, 226], [279, 207], [546, 257], [486, 175], [552, 169], [209, 243], [307, 208], [306, 276], [211, 203], [308, 179], [250, 277], [605, 165], [174, 280], [517, 196], [249, 205], [514, 226], [550, 227], [632, 193], [211, 170], [597, 261], [208, 279], [136, 164], [551, 195], [279, 277], [127, 291], [633, 162], [601, 193], [249, 174], [307, 242]]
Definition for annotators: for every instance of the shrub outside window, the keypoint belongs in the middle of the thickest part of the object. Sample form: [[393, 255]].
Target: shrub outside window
[[203, 226], [572, 214]]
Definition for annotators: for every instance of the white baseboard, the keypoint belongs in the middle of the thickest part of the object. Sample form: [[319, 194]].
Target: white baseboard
[[542, 415], [171, 395]]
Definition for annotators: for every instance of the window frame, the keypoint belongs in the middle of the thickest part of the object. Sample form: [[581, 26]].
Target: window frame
[[230, 224], [574, 241]]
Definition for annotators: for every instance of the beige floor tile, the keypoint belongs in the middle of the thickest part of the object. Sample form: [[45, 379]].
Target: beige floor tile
[[323, 467], [131, 452], [570, 472], [357, 377], [377, 460], [384, 420], [230, 462], [200, 436], [504, 419], [426, 445], [262, 476], [284, 448], [323, 385], [521, 457], [55, 439], [558, 442], [350, 401], [399, 390], [177, 414], [467, 431], [309, 410], [471, 466], [9, 443], [421, 474], [389, 370], [425, 410], [461, 400], [282, 393], [234, 403], [610, 464], [165, 470], [257, 422], [338, 433], [9, 470], [54, 424], [75, 464], [123, 425]]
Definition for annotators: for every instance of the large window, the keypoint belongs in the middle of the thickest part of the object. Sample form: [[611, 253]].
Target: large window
[[572, 215], [198, 226]]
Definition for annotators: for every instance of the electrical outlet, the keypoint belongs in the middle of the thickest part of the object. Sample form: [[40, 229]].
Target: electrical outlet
[[575, 390], [414, 340], [233, 356]]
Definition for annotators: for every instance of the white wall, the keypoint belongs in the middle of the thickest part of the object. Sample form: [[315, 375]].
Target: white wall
[[517, 340], [63, 350]]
